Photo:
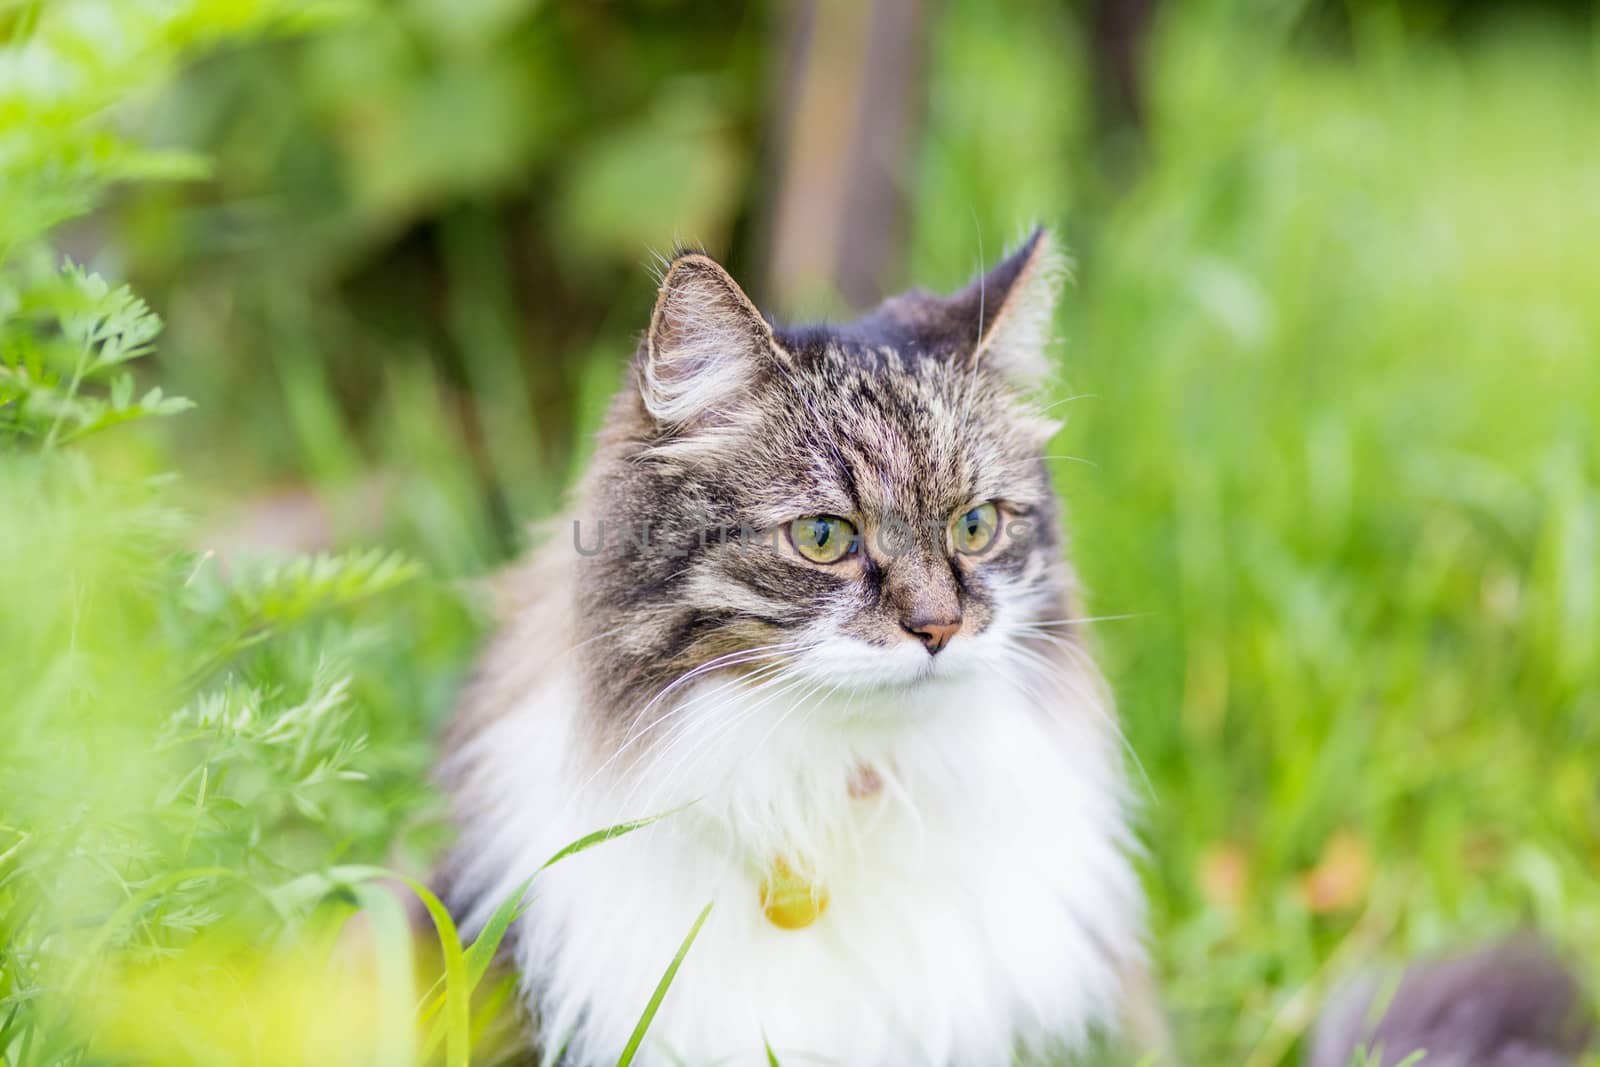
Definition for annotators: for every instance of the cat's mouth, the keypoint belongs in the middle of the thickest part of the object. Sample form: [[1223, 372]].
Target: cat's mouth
[[849, 665]]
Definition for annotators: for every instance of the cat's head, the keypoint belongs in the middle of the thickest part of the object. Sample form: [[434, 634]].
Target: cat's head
[[864, 505]]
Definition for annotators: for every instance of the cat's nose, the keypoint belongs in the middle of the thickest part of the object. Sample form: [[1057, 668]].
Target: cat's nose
[[935, 633]]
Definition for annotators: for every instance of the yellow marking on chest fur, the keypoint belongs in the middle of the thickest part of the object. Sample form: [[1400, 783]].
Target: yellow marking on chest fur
[[788, 900]]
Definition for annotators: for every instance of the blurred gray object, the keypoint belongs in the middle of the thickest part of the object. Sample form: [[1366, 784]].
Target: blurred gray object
[[1510, 1005]]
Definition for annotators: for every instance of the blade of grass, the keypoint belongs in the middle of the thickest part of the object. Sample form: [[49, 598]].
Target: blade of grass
[[660, 994], [501, 994], [588, 841], [460, 976], [391, 942], [457, 995], [482, 951]]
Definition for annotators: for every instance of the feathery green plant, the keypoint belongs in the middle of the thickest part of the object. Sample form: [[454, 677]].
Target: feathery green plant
[[203, 754], [180, 736]]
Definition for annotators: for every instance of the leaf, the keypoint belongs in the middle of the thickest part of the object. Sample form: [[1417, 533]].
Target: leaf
[[95, 951], [266, 598]]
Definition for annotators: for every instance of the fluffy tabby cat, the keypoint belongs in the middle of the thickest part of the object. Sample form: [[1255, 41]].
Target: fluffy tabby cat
[[814, 603], [814, 594]]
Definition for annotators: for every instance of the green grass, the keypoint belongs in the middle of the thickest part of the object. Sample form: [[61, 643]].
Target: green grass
[[1347, 475], [1332, 362]]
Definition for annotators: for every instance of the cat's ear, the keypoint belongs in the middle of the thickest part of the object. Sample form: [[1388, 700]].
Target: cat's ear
[[1009, 311], [707, 343]]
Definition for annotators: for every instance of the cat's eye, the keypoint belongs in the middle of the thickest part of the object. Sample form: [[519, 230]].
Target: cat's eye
[[973, 531], [823, 538]]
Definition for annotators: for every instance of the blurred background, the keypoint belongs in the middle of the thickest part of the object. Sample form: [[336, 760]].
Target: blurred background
[[1330, 368]]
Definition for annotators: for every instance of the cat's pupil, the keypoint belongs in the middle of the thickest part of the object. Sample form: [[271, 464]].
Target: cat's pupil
[[820, 531], [974, 522]]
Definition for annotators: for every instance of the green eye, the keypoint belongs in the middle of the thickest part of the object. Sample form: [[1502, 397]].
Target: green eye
[[974, 531], [822, 538]]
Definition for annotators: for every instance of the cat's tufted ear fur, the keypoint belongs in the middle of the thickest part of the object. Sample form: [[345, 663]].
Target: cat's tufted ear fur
[[1013, 307], [707, 344], [1000, 321]]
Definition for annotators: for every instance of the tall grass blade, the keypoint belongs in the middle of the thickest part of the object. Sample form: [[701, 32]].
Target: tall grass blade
[[660, 994], [481, 953], [391, 942]]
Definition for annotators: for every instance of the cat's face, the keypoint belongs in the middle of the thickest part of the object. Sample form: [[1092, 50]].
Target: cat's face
[[864, 507]]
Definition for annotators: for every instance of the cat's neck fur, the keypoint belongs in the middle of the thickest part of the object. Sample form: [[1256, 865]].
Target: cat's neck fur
[[981, 900]]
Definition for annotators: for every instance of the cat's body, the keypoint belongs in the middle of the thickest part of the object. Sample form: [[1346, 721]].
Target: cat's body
[[978, 898], [911, 734]]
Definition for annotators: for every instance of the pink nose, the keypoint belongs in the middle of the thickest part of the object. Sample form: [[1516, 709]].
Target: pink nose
[[934, 633]]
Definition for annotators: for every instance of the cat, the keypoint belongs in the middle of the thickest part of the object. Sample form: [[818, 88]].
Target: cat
[[814, 603], [811, 605]]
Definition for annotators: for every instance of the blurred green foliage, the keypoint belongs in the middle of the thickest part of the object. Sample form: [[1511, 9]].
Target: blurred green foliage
[[434, 227], [178, 741], [1345, 436], [1332, 365]]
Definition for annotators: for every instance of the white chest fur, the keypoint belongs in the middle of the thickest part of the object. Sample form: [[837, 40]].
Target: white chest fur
[[981, 901]]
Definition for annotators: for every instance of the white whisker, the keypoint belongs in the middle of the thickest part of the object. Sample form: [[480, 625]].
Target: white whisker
[[1067, 400], [668, 776], [640, 727], [1083, 618], [1073, 680], [686, 716]]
